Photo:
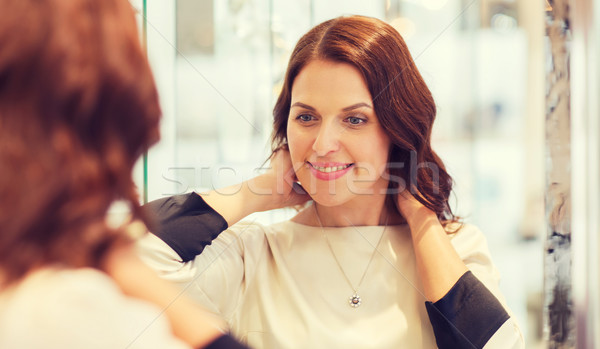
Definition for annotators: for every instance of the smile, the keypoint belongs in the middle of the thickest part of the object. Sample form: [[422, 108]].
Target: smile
[[329, 171]]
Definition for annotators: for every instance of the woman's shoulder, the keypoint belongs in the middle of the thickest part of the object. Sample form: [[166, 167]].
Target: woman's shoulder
[[65, 291], [52, 295], [254, 226], [84, 302], [57, 282], [467, 239], [464, 231], [253, 234], [471, 245]]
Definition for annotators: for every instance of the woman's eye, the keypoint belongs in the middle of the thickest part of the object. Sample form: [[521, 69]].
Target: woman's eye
[[353, 120], [304, 118]]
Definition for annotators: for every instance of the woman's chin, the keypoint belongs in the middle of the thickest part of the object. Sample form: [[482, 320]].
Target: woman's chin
[[329, 200]]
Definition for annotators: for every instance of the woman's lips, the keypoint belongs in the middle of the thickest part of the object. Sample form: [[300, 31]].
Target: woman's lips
[[329, 171]]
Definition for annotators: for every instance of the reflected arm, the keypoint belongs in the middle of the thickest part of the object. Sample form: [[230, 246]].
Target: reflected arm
[[189, 222], [464, 313], [186, 223]]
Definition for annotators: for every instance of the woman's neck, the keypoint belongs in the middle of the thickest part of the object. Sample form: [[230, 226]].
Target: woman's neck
[[349, 214]]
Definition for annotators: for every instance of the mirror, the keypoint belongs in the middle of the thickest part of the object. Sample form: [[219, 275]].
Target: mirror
[[219, 66]]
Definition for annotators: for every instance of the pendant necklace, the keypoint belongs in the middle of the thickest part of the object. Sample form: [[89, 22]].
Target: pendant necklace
[[354, 301]]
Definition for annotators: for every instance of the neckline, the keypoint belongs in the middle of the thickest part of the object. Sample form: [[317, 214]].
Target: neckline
[[369, 227]]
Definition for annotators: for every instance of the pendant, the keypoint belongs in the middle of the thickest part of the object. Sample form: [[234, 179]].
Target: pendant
[[354, 301]]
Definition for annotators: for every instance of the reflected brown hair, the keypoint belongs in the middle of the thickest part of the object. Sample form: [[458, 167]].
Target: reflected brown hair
[[403, 104], [78, 106]]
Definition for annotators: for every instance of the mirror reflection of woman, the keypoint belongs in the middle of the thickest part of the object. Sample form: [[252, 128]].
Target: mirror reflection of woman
[[378, 259]]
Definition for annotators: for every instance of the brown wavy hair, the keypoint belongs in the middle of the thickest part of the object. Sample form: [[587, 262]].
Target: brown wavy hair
[[403, 104], [78, 106]]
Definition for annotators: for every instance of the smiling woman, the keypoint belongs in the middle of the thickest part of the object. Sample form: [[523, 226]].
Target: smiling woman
[[377, 260], [386, 79]]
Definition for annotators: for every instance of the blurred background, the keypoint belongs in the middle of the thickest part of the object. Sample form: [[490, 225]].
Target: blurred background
[[219, 66]]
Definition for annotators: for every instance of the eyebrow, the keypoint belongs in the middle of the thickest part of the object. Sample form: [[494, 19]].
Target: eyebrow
[[302, 105], [356, 106], [352, 107]]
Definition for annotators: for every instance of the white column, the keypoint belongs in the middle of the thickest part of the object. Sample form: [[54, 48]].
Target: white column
[[558, 302]]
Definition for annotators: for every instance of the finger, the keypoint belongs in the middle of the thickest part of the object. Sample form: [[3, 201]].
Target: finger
[[283, 146]]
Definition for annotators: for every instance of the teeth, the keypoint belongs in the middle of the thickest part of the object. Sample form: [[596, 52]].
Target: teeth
[[330, 169]]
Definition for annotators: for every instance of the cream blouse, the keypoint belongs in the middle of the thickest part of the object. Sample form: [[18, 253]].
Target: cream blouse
[[279, 286]]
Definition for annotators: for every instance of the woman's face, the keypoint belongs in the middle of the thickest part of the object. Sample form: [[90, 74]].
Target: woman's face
[[336, 143]]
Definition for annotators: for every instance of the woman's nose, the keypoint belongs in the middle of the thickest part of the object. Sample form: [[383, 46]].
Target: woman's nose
[[327, 140]]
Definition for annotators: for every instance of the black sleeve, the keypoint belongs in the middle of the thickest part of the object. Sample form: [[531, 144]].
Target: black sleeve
[[467, 316], [184, 222], [226, 342]]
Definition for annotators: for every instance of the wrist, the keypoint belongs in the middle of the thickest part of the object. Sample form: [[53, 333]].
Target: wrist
[[421, 214], [258, 193]]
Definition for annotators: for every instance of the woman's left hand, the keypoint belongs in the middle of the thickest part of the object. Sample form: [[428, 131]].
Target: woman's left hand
[[412, 209]]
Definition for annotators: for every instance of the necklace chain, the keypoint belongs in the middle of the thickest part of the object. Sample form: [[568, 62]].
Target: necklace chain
[[355, 300]]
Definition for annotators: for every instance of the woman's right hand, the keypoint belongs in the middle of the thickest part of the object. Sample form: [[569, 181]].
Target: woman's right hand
[[276, 188]]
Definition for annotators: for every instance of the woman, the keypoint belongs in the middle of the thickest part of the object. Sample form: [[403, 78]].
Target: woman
[[78, 106], [378, 260]]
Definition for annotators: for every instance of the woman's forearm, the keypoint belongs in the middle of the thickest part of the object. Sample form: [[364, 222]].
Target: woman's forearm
[[240, 200], [462, 311], [274, 189], [189, 222], [438, 263]]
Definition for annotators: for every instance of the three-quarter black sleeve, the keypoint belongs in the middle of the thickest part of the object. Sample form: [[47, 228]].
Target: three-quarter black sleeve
[[467, 316], [226, 342], [185, 222]]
